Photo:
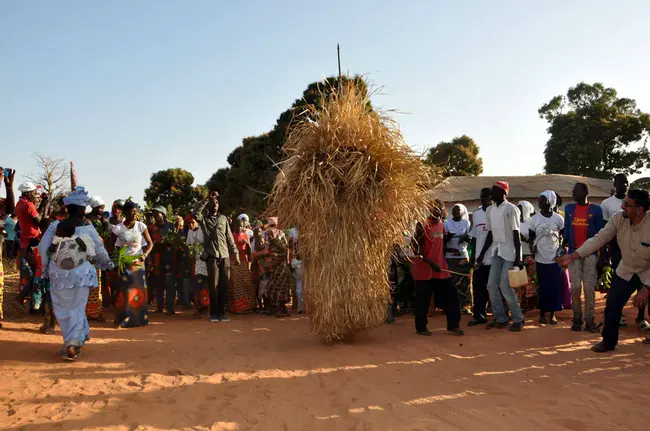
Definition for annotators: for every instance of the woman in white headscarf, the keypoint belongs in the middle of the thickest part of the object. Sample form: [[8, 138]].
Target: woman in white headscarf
[[457, 229], [69, 289], [546, 229]]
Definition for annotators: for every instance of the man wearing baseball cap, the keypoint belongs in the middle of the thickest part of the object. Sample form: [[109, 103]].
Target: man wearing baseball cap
[[503, 231]]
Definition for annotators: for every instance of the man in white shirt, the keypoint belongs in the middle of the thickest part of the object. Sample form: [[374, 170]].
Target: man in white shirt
[[502, 219], [481, 275]]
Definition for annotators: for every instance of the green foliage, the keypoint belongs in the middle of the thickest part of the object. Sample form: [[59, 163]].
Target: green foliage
[[595, 133], [173, 187], [641, 183], [245, 184], [122, 260], [456, 158]]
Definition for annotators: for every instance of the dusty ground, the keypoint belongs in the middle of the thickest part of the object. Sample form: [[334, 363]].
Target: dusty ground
[[261, 373]]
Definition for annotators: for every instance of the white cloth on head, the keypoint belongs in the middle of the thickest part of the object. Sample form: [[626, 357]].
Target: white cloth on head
[[551, 197], [243, 217], [26, 187], [463, 211], [527, 210], [96, 201]]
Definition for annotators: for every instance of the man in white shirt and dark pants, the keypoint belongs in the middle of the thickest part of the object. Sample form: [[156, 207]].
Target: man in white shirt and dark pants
[[481, 275], [502, 219]]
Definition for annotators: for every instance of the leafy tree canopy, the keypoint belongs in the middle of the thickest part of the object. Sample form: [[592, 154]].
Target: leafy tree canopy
[[595, 133], [456, 158], [173, 187]]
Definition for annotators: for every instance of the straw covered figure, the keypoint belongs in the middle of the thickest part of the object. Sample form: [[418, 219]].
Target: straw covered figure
[[351, 186]]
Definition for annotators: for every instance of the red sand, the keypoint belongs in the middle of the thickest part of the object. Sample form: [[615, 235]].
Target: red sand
[[262, 373]]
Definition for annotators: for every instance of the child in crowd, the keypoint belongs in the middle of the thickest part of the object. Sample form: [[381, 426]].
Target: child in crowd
[[296, 268]]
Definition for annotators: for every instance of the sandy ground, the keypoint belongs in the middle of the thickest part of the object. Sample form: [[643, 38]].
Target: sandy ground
[[262, 373]]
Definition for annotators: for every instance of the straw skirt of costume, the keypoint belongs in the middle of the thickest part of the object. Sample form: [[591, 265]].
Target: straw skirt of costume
[[69, 289]]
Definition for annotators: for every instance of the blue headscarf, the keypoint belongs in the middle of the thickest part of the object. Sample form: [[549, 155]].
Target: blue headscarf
[[78, 197]]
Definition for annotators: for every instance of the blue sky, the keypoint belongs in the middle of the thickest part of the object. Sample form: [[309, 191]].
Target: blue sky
[[126, 88]]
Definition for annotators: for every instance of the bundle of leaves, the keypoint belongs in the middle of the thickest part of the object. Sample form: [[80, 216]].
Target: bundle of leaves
[[195, 249], [174, 239], [122, 260], [351, 186]]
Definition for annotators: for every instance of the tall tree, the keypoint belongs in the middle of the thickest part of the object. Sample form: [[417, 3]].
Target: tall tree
[[595, 133], [173, 187], [247, 181], [641, 183], [456, 158], [52, 174]]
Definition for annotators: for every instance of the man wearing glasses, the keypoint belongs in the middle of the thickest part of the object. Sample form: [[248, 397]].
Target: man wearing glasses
[[631, 228]]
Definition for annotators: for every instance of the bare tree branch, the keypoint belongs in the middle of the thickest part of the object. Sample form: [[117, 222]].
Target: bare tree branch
[[52, 173]]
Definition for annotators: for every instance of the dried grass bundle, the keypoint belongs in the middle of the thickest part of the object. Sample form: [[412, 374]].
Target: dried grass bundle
[[351, 186]]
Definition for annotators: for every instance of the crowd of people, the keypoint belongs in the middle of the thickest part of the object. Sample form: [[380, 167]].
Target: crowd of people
[[75, 259], [465, 262]]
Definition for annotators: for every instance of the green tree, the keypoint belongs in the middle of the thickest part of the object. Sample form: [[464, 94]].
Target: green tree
[[245, 184], [173, 187], [595, 133], [456, 158], [641, 183]]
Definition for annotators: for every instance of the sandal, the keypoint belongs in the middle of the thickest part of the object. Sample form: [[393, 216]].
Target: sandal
[[71, 353]]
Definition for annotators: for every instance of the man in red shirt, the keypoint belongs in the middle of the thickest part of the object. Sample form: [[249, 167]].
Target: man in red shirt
[[582, 221], [29, 219], [430, 276]]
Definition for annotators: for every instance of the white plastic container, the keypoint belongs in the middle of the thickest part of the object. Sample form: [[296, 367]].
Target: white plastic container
[[517, 277]]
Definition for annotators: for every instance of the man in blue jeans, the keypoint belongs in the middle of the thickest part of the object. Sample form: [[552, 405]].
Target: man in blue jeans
[[503, 230], [631, 228]]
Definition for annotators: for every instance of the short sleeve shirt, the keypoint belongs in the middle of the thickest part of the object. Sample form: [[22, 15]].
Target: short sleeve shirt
[[611, 206], [26, 211], [547, 236], [502, 220], [480, 233]]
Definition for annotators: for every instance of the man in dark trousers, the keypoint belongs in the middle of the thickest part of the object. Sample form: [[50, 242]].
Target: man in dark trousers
[[482, 273], [218, 244], [631, 228]]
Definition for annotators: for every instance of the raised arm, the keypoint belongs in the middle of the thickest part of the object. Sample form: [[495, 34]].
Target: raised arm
[[10, 202]]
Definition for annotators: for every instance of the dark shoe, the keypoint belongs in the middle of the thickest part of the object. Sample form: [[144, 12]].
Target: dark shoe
[[158, 310], [170, 313], [456, 331], [494, 324], [576, 327], [543, 321], [601, 348], [426, 333], [214, 319], [591, 327], [224, 319], [516, 327], [476, 322], [553, 320]]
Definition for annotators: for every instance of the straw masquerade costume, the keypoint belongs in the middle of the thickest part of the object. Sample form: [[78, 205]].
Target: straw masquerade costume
[[351, 186]]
